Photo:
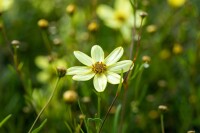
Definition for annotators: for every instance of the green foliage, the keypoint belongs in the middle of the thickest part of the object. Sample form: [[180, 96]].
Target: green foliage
[[40, 127], [5, 120]]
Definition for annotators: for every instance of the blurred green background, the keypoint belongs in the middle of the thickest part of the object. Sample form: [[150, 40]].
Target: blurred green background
[[170, 38]]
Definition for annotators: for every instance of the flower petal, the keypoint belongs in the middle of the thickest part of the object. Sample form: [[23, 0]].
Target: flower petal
[[105, 12], [77, 70], [97, 53], [123, 6], [113, 78], [122, 65], [114, 56], [83, 77], [83, 58], [100, 82]]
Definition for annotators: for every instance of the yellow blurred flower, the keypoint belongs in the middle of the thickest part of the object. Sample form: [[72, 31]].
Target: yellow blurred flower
[[177, 49], [120, 17], [5, 5], [176, 3], [165, 54]]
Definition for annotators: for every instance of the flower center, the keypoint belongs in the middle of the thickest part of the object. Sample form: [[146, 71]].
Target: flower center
[[99, 67], [120, 16]]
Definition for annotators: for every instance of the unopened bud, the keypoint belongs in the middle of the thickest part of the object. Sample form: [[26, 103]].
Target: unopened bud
[[70, 9], [43, 23], [61, 71], [146, 58], [70, 96], [15, 43], [162, 108], [177, 49], [57, 41], [93, 27], [143, 14], [151, 28], [86, 99], [81, 116]]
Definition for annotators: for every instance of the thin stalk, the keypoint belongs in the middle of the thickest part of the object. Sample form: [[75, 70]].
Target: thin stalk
[[99, 107], [87, 130], [137, 84], [45, 106], [162, 123], [134, 28], [108, 112]]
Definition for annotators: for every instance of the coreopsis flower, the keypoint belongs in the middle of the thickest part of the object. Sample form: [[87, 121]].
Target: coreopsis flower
[[102, 69], [120, 17]]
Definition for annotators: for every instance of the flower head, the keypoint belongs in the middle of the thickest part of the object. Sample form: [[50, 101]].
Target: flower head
[[102, 69], [120, 17]]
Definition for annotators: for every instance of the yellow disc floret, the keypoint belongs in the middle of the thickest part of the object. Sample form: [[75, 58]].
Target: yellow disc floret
[[99, 67]]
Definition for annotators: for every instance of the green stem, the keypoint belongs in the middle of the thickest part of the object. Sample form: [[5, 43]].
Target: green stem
[[136, 90], [87, 131], [99, 106], [108, 112], [162, 123], [45, 106]]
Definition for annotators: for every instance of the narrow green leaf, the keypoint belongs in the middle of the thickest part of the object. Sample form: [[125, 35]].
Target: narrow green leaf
[[40, 127], [116, 119], [5, 119], [68, 127]]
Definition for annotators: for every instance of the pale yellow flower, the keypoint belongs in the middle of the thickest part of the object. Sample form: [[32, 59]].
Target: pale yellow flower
[[120, 17], [102, 69]]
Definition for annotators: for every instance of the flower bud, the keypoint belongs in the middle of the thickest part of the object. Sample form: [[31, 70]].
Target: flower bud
[[143, 14], [61, 72], [93, 27], [162, 108], [70, 96], [86, 99], [146, 58], [43, 23], [15, 43], [81, 116], [57, 41], [177, 49], [151, 28], [70, 9]]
